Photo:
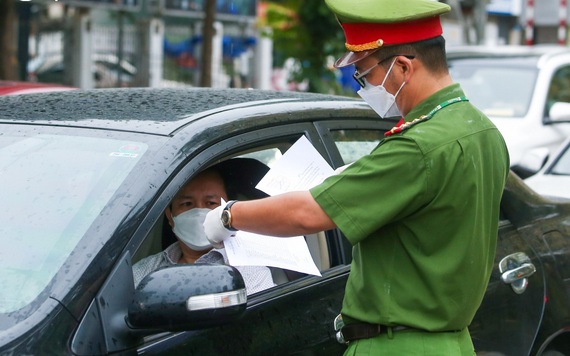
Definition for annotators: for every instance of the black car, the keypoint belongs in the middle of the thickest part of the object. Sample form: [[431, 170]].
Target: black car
[[86, 175]]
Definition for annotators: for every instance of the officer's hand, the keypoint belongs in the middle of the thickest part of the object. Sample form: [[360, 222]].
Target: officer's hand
[[215, 231]]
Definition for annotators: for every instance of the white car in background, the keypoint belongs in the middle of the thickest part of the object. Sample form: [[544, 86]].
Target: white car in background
[[525, 91], [554, 178], [105, 70]]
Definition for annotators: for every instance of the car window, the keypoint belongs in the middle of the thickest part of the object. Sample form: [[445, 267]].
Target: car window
[[353, 144], [53, 189], [266, 154], [559, 90], [562, 165], [499, 91]]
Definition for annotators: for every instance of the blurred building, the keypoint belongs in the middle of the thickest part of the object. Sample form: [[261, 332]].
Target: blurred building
[[116, 43], [498, 22]]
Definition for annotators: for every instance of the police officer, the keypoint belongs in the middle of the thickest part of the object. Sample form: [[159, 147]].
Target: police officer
[[421, 210]]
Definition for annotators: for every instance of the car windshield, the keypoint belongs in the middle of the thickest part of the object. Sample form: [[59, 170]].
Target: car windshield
[[53, 188], [497, 90]]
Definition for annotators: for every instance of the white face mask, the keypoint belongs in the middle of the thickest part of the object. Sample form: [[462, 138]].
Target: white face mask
[[188, 226], [379, 99]]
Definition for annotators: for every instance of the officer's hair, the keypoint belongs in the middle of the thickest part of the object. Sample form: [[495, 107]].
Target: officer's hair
[[430, 52]]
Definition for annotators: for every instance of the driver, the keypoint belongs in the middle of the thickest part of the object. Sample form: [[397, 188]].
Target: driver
[[185, 215]]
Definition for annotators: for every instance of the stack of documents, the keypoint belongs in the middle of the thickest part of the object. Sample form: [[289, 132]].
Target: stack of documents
[[299, 169]]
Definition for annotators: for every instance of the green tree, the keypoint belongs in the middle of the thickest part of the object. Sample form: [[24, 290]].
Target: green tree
[[307, 31]]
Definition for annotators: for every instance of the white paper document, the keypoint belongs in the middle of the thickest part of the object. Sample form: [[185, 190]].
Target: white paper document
[[248, 249], [300, 168]]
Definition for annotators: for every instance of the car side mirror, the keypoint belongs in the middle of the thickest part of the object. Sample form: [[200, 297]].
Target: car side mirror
[[559, 112], [188, 297], [183, 297], [531, 162]]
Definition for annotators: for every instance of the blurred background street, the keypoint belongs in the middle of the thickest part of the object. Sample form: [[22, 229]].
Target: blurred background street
[[270, 44]]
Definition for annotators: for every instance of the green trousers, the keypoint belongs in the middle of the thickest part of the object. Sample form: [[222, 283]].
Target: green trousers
[[414, 342]]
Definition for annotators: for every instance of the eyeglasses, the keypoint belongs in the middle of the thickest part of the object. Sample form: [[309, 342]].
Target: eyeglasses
[[359, 77]]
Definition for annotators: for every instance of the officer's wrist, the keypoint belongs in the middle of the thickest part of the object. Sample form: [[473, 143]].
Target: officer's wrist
[[226, 216]]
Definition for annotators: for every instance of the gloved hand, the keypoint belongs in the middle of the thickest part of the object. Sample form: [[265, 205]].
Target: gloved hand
[[215, 231]]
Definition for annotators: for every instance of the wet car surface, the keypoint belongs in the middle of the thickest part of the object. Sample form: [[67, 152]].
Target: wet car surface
[[86, 176]]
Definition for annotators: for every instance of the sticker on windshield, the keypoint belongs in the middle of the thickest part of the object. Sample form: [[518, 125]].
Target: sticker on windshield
[[129, 151]]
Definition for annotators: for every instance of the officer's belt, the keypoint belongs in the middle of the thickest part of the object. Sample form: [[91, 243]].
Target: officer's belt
[[357, 331]]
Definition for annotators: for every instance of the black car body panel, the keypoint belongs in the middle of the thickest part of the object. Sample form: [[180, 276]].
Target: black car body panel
[[178, 133], [147, 110]]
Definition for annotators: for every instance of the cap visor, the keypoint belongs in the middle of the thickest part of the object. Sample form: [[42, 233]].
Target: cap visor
[[352, 57]]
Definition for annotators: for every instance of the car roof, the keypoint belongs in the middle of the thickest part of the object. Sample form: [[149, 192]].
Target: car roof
[[481, 51], [536, 54], [148, 110], [513, 55]]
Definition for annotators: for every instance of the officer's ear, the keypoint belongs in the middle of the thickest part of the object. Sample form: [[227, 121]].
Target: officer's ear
[[406, 66]]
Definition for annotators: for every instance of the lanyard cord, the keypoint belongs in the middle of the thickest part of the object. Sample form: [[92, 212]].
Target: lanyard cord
[[406, 125]]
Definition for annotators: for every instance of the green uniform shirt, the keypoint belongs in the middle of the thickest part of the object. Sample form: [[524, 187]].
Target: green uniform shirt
[[422, 211]]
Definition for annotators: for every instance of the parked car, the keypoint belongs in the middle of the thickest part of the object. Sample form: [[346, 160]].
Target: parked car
[[86, 176], [8, 87], [525, 90], [553, 178], [105, 70]]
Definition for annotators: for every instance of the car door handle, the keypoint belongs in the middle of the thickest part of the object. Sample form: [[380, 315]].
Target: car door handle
[[515, 269], [516, 274]]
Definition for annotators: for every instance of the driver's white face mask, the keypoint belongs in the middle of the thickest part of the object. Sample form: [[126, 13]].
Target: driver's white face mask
[[379, 99], [189, 228]]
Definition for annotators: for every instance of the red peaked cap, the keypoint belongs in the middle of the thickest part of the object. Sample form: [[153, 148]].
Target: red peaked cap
[[365, 38]]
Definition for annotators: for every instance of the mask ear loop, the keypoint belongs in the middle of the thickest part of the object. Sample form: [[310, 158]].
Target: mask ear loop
[[401, 86], [389, 70]]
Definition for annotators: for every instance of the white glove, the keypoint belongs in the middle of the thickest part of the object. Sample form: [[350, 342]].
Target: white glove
[[215, 231]]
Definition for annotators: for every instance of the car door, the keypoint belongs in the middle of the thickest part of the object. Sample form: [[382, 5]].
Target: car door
[[510, 314], [290, 317], [295, 316]]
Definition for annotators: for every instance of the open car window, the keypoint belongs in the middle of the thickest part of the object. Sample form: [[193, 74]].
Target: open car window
[[251, 164]]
